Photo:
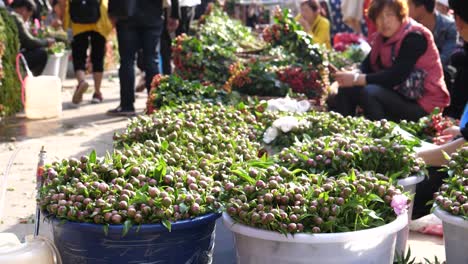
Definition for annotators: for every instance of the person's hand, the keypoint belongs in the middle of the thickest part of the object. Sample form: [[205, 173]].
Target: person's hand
[[113, 21], [448, 135], [454, 131], [304, 23], [50, 41], [172, 24], [345, 79], [56, 23]]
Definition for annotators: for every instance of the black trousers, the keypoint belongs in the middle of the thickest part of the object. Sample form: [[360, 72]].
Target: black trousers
[[36, 59], [378, 103], [165, 47], [131, 39], [80, 45]]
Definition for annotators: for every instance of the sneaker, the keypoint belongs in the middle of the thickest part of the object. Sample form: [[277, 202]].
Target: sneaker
[[121, 112], [80, 90], [97, 98]]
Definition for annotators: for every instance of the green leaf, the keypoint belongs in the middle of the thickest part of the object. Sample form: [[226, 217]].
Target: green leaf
[[375, 197], [243, 175], [140, 197], [92, 157], [446, 156], [106, 229], [372, 214], [127, 226], [164, 145], [183, 208], [167, 224]]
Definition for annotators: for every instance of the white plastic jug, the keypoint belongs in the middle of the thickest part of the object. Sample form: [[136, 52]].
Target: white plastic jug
[[37, 250], [41, 95]]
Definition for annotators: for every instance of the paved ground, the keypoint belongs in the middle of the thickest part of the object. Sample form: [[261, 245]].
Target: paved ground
[[77, 132]]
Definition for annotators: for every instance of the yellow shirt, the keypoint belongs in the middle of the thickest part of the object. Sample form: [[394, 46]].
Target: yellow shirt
[[103, 26], [319, 30]]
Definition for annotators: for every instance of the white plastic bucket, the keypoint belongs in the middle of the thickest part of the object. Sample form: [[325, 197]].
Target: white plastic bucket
[[409, 185], [375, 245], [64, 65], [455, 237], [37, 250], [52, 67], [43, 96]]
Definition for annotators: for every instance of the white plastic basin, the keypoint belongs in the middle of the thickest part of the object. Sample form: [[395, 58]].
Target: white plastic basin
[[455, 237], [37, 250], [409, 185], [375, 245]]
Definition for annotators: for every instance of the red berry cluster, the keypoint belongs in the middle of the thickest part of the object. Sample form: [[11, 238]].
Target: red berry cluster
[[436, 125], [301, 81], [182, 58], [343, 40], [239, 76], [274, 33]]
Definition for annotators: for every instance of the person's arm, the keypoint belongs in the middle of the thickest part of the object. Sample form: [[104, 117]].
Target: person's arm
[[450, 44], [27, 40], [365, 65], [412, 48], [435, 157]]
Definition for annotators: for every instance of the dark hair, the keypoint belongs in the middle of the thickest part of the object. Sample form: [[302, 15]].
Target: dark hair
[[28, 4], [460, 8], [399, 6], [428, 4], [314, 5], [54, 2]]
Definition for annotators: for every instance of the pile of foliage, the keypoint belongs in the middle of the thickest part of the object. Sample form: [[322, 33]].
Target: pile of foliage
[[172, 90], [217, 55], [10, 87]]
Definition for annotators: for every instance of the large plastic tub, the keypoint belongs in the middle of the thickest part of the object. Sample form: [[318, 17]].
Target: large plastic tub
[[190, 241], [455, 237], [409, 185], [375, 245]]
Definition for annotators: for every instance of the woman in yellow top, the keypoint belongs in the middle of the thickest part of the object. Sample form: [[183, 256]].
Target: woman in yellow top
[[313, 23], [90, 25]]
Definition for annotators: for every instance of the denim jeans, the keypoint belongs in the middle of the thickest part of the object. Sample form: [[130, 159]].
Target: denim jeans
[[378, 103], [132, 38]]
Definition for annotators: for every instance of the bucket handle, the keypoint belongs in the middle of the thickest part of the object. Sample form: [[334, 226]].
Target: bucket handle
[[18, 72]]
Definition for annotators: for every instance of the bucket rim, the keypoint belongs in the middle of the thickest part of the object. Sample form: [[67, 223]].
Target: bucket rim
[[449, 218], [411, 180], [391, 228], [156, 227]]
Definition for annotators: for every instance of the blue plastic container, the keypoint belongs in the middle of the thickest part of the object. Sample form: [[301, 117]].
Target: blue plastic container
[[464, 117], [190, 241]]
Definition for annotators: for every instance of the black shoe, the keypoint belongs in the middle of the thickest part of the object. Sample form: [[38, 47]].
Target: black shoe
[[121, 112]]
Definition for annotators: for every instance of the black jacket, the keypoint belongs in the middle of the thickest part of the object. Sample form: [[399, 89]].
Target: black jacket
[[147, 13]]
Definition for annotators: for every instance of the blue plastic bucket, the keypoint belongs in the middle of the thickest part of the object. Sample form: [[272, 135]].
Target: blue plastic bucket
[[190, 241]]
